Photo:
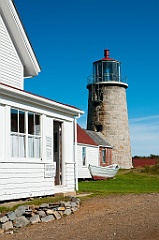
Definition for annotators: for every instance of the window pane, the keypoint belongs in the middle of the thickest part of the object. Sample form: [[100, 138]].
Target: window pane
[[21, 146], [103, 156], [31, 147], [14, 145], [30, 123], [14, 120], [84, 156], [37, 147], [37, 125], [21, 122]]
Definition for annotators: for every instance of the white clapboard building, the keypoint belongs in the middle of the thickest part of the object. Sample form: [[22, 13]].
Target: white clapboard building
[[93, 149], [37, 156]]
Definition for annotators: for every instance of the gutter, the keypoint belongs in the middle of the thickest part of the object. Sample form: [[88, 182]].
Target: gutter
[[75, 152]]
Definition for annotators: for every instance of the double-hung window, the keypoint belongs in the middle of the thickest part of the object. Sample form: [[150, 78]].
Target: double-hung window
[[34, 137], [18, 133], [25, 134]]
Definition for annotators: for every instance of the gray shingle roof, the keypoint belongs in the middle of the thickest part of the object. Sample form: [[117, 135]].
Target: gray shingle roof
[[98, 138]]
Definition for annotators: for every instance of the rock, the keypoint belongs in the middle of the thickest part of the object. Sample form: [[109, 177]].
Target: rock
[[41, 213], [54, 205], [32, 214], [21, 222], [57, 215], [49, 212], [48, 218], [67, 212], [74, 199], [78, 202], [35, 219], [32, 207], [73, 204], [7, 226], [11, 215], [44, 205], [4, 219], [61, 213], [20, 210], [74, 209], [66, 204], [61, 209]]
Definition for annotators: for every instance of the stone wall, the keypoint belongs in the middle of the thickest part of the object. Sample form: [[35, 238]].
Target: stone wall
[[31, 214]]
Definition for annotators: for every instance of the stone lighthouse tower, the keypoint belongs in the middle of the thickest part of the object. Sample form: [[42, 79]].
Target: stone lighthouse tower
[[107, 107]]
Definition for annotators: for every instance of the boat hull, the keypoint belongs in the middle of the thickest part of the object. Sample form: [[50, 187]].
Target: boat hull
[[102, 173]]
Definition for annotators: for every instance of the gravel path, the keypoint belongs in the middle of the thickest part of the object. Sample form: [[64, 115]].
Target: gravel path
[[121, 217]]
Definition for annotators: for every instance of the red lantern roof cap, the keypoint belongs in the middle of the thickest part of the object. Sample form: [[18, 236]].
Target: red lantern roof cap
[[106, 56]]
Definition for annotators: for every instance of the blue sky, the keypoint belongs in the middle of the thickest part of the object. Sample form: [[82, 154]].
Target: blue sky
[[68, 36]]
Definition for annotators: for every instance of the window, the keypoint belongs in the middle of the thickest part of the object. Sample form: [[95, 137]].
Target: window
[[84, 156], [22, 134], [103, 156], [98, 128], [18, 135], [33, 135]]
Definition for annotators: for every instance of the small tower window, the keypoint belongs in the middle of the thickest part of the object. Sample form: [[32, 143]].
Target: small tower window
[[98, 128]]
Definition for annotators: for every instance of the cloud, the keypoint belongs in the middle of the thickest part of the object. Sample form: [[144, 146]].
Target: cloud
[[144, 134]]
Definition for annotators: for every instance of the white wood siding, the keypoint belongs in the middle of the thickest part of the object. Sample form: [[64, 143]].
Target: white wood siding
[[2, 135], [11, 69], [92, 157], [24, 178], [23, 181], [68, 157]]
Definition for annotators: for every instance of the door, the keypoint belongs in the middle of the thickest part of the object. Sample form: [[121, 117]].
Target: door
[[58, 151]]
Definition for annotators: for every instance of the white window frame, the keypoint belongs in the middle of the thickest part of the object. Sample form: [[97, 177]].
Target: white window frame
[[16, 137], [104, 155]]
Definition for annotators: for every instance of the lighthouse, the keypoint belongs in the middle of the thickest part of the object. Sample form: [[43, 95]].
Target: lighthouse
[[107, 107]]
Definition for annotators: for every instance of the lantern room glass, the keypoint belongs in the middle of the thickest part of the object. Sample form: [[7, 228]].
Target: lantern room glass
[[106, 71]]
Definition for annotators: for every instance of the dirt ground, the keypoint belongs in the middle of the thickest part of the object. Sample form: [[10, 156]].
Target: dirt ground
[[119, 217]]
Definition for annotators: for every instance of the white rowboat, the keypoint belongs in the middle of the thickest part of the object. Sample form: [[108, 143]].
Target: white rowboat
[[101, 173]]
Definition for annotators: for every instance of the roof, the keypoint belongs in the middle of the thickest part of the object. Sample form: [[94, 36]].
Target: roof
[[24, 96], [19, 38], [91, 137], [83, 137], [106, 57], [98, 138]]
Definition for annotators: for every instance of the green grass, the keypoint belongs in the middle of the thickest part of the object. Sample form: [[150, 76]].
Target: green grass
[[125, 182], [35, 201]]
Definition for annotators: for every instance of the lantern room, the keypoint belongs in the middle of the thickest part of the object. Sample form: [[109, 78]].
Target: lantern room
[[107, 71]]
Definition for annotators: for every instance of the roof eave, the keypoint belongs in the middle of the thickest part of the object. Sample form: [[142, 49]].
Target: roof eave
[[48, 104], [19, 37]]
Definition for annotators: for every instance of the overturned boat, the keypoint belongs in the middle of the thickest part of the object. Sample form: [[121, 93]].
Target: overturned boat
[[101, 173]]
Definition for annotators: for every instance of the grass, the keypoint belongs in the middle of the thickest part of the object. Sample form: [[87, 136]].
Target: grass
[[35, 201], [125, 182]]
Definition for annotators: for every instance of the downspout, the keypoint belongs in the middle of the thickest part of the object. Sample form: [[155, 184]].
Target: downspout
[[75, 153]]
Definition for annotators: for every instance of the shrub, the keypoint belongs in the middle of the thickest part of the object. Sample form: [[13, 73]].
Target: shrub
[[152, 169]]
